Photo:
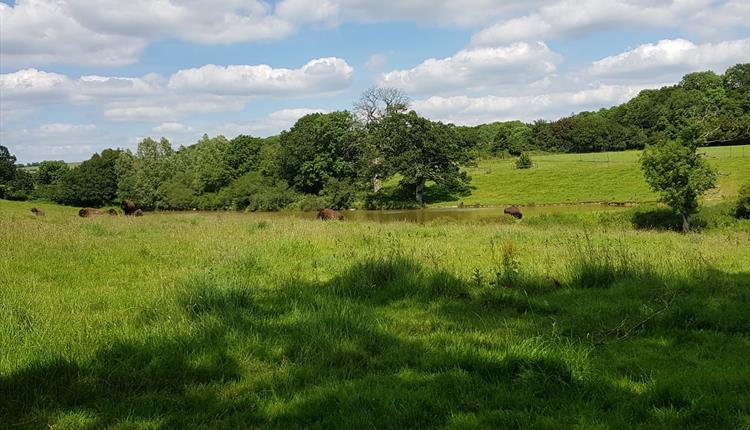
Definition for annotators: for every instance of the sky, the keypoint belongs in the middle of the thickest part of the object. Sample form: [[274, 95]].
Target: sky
[[78, 76]]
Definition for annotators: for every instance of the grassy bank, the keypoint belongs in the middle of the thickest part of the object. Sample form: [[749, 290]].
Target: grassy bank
[[593, 177], [257, 321]]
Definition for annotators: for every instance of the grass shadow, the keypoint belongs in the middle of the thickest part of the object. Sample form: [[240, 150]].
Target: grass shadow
[[331, 354]]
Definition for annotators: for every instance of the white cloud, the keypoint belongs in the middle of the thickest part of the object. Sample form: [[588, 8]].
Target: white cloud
[[477, 69], [155, 98], [65, 128], [568, 18], [272, 124], [44, 31], [376, 61], [477, 110], [462, 13], [670, 58], [317, 76], [172, 127]]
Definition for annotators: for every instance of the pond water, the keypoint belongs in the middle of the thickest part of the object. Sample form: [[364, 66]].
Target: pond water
[[457, 214]]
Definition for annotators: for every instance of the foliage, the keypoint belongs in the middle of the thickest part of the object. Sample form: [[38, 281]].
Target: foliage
[[317, 148], [254, 192], [742, 207], [679, 174], [20, 187], [524, 161], [420, 150], [49, 172], [7, 165], [93, 182]]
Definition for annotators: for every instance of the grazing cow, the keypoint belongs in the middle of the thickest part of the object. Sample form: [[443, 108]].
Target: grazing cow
[[330, 214], [87, 212], [138, 212], [128, 207], [37, 212], [513, 211]]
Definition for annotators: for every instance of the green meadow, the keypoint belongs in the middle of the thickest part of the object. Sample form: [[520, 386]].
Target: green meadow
[[592, 177], [572, 318]]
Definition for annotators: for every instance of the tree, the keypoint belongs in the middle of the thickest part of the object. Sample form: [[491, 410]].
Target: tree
[[679, 174], [140, 175], [7, 165], [93, 182], [376, 102], [524, 161], [319, 147], [50, 172], [421, 150], [20, 187], [742, 207]]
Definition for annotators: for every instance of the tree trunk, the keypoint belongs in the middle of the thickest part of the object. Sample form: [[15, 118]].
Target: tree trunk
[[685, 223], [420, 191], [377, 184]]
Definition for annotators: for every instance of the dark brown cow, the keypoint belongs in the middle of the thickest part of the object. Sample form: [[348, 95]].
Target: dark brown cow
[[128, 207], [37, 212], [330, 214], [513, 211], [89, 212]]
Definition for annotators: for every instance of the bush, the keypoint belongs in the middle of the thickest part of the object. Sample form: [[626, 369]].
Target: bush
[[254, 192], [742, 208], [524, 161]]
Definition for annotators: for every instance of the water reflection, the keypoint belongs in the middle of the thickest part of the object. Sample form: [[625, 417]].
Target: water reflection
[[456, 214]]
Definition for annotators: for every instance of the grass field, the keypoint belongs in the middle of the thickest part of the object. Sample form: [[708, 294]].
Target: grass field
[[597, 177], [226, 320]]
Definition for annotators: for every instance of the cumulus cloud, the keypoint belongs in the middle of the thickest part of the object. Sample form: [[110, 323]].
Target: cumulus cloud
[[477, 110], [670, 59], [172, 127], [271, 124], [317, 76], [567, 18], [477, 69], [155, 98], [44, 31]]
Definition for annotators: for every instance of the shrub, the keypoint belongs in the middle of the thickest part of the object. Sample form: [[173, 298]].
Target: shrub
[[742, 208], [524, 161]]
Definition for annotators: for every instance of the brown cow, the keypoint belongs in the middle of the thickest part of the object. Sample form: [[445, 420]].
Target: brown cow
[[330, 214], [112, 212], [37, 212], [513, 211], [89, 212], [128, 207]]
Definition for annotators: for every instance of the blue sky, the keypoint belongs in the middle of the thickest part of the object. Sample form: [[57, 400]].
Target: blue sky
[[78, 76]]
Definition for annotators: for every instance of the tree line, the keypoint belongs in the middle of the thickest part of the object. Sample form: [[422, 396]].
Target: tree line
[[379, 155]]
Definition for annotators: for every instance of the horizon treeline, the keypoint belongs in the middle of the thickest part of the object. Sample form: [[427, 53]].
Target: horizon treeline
[[379, 155]]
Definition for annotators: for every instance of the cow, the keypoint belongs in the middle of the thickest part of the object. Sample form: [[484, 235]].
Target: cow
[[37, 212], [128, 207], [330, 214], [513, 211], [138, 212], [89, 212]]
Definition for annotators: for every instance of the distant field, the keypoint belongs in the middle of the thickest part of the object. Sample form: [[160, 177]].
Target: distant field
[[229, 320], [592, 177]]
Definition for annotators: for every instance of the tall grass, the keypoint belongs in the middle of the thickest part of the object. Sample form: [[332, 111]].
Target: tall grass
[[257, 321]]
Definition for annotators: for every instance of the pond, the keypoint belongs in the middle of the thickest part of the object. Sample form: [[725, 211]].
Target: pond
[[457, 214]]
